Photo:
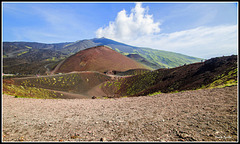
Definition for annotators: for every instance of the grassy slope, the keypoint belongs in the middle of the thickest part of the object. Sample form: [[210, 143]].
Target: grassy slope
[[228, 78], [20, 91], [29, 92], [159, 59], [165, 59], [38, 87], [132, 85], [132, 72], [189, 77]]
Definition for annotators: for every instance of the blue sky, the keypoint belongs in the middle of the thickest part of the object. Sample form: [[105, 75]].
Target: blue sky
[[203, 30]]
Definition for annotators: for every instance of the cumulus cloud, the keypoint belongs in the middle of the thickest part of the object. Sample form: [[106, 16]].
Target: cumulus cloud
[[139, 29], [128, 27]]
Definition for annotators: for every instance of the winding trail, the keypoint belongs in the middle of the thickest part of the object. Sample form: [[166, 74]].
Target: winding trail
[[48, 70], [68, 95], [57, 67]]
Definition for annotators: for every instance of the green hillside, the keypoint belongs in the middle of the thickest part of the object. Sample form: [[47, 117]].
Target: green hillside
[[165, 59]]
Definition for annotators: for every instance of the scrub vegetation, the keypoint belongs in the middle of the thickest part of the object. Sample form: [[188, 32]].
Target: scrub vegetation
[[216, 72]]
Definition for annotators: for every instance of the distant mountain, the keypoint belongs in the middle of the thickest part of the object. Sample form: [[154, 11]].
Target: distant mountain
[[30, 57], [14, 49], [99, 58], [29, 53], [154, 58], [77, 46]]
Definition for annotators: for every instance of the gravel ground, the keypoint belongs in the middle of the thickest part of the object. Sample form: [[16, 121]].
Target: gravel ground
[[201, 115]]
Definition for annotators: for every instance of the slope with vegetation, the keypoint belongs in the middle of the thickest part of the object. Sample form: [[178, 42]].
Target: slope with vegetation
[[215, 72], [55, 85], [30, 57], [220, 71], [72, 82]]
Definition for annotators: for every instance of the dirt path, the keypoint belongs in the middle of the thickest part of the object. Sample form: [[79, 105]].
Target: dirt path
[[68, 95], [202, 115], [96, 91], [47, 69], [57, 67]]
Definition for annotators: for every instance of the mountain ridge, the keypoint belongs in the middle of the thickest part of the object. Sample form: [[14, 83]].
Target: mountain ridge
[[157, 58], [18, 53]]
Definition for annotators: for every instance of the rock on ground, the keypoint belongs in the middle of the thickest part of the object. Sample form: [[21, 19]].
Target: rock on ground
[[201, 115]]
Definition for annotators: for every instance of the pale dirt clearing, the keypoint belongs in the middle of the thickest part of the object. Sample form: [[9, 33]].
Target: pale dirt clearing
[[201, 115]]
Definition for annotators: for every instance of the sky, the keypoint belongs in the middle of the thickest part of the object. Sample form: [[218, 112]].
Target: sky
[[199, 29]]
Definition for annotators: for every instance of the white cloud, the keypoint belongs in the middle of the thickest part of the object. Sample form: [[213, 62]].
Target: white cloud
[[127, 27], [139, 29]]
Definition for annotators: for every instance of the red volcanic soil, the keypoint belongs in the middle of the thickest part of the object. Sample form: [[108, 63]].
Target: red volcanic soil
[[100, 58]]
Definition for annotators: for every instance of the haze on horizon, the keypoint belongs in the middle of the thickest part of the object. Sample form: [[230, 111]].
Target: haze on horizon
[[203, 30]]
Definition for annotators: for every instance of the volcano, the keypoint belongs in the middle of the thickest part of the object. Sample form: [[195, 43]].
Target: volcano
[[99, 58]]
